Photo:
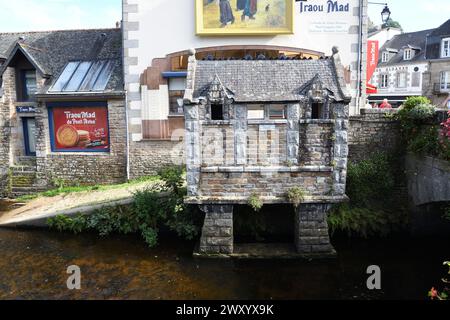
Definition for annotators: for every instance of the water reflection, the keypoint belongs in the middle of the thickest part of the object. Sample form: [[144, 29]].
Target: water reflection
[[33, 266]]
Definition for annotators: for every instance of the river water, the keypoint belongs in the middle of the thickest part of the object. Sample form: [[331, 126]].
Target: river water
[[33, 265]]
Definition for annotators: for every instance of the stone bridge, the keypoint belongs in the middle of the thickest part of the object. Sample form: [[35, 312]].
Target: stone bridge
[[428, 180]]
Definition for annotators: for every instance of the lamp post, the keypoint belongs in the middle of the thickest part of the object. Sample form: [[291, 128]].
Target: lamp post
[[386, 13]]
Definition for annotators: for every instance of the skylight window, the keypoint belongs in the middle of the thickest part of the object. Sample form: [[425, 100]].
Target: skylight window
[[84, 76]]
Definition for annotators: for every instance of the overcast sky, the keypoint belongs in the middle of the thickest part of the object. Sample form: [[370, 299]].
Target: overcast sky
[[26, 15]]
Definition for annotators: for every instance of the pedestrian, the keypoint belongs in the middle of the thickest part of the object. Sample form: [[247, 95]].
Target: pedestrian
[[385, 104]]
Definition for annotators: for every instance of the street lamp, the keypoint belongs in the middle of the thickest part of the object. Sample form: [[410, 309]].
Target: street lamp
[[386, 13]]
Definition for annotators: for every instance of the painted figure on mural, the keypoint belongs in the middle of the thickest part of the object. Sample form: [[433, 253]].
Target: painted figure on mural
[[226, 14], [251, 7], [240, 5]]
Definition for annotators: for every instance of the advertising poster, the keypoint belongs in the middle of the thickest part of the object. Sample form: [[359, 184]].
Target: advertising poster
[[80, 129]]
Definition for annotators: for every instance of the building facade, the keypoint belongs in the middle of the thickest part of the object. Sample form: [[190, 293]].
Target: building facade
[[437, 78], [402, 63], [263, 137], [62, 110], [156, 52]]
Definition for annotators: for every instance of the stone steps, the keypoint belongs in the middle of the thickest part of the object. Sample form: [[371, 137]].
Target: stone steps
[[23, 191], [23, 177]]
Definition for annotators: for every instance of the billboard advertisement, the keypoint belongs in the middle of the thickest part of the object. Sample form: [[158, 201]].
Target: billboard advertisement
[[79, 129]]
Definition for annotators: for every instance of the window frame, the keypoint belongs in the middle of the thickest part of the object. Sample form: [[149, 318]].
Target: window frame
[[445, 49], [385, 56], [408, 54], [382, 86], [445, 80], [23, 94], [399, 74]]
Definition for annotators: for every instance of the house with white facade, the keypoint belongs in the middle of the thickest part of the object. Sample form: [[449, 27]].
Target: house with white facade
[[401, 66]]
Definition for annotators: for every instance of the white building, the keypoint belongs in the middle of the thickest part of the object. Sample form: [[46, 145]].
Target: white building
[[384, 35], [159, 34], [401, 67]]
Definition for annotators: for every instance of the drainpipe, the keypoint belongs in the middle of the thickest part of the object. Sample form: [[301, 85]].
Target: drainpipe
[[360, 41], [126, 100]]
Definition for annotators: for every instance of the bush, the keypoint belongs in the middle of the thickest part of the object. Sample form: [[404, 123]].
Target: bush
[[296, 196], [412, 102], [158, 205], [373, 209], [255, 202]]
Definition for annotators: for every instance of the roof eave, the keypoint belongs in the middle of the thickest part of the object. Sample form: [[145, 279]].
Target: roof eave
[[44, 73], [80, 95]]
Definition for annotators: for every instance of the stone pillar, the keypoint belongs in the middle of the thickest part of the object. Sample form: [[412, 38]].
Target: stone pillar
[[217, 232], [311, 229], [292, 132]]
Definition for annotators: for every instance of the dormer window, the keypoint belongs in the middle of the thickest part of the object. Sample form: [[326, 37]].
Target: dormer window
[[27, 85], [385, 57], [408, 54], [445, 53]]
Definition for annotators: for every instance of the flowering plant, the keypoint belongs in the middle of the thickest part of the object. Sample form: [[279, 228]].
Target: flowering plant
[[435, 294]]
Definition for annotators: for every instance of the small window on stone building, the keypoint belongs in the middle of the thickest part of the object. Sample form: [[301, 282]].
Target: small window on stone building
[[255, 112], [317, 110], [216, 111], [277, 112]]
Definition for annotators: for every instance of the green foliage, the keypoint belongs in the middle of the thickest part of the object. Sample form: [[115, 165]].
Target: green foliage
[[255, 202], [426, 141], [412, 102], [63, 189], [373, 209], [392, 24], [419, 134], [369, 178], [434, 294], [160, 204], [296, 196]]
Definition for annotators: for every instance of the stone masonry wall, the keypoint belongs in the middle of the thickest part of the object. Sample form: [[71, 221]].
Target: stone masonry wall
[[7, 98], [82, 168], [147, 157], [373, 131], [269, 184]]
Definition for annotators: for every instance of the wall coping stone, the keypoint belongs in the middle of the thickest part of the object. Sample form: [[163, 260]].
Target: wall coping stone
[[268, 169], [265, 200]]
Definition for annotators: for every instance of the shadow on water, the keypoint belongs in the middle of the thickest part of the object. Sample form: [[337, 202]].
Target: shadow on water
[[33, 266]]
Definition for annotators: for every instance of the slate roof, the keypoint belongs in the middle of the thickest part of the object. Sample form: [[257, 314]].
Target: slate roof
[[435, 38], [267, 80], [413, 40], [50, 51]]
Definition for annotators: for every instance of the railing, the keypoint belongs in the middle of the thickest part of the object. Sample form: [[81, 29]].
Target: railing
[[442, 87]]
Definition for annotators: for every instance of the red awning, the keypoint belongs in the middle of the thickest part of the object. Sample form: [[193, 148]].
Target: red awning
[[371, 89]]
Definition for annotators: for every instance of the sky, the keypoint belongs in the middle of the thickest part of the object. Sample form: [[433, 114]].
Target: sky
[[38, 15], [413, 15]]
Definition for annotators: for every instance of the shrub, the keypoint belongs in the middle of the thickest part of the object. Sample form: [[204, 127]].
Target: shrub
[[158, 205], [412, 102], [255, 202], [296, 196], [373, 209]]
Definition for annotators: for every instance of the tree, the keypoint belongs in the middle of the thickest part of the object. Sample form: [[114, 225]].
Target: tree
[[392, 24], [371, 26]]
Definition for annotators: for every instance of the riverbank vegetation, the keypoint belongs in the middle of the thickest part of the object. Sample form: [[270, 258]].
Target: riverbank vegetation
[[419, 130], [374, 208], [158, 206], [62, 188]]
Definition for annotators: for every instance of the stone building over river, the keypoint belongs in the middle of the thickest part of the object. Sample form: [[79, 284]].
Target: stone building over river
[[260, 128]]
